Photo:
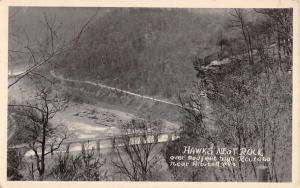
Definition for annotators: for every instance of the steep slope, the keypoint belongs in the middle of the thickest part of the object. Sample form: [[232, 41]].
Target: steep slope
[[148, 51]]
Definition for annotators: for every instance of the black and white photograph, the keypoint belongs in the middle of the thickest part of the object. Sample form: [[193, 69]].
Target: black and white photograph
[[152, 94]]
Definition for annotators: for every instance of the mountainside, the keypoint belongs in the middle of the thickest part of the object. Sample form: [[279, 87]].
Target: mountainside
[[148, 51]]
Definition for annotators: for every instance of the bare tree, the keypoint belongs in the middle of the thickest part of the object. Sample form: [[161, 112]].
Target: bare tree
[[140, 154], [239, 21], [281, 24], [43, 137], [85, 167], [222, 42], [41, 52], [250, 112]]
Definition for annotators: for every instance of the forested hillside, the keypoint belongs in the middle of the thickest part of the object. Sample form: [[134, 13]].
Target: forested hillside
[[149, 51], [251, 93]]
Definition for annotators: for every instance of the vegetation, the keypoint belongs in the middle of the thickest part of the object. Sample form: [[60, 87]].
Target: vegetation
[[241, 96], [82, 167], [251, 98], [139, 158], [147, 51], [33, 120]]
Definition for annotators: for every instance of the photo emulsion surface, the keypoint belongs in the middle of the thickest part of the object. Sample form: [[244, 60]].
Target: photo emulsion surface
[[149, 94]]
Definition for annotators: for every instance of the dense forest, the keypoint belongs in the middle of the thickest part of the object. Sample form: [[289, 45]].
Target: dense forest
[[148, 51]]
